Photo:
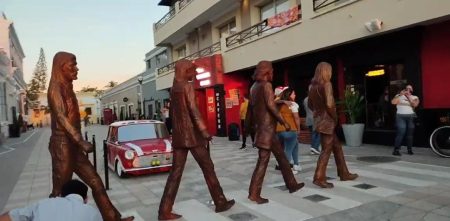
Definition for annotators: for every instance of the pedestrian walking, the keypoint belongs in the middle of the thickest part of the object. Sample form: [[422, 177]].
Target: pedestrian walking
[[405, 102], [315, 136], [289, 138]]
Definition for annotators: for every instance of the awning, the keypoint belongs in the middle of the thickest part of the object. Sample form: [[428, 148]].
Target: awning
[[166, 2]]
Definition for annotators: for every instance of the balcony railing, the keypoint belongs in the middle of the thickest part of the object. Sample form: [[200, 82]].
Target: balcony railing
[[318, 4], [165, 19], [199, 54], [183, 3], [253, 31]]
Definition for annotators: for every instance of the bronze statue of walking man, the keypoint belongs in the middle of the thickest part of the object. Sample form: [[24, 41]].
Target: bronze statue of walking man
[[262, 115], [67, 146], [189, 134], [321, 102]]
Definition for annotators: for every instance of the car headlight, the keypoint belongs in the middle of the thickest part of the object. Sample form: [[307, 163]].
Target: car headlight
[[129, 154]]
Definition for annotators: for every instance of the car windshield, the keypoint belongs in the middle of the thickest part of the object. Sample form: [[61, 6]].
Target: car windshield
[[142, 132]]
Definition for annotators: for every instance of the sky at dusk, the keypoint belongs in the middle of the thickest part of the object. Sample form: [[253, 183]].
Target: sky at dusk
[[109, 37]]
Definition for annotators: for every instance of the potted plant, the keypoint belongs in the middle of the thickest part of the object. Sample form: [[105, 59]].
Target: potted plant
[[353, 107]]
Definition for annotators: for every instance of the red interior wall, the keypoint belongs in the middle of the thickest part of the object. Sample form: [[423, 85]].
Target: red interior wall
[[235, 81], [436, 66]]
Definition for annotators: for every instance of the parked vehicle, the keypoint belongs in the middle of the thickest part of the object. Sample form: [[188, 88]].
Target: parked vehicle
[[139, 147]]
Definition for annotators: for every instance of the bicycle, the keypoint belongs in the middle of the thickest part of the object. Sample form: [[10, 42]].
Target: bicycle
[[440, 138]]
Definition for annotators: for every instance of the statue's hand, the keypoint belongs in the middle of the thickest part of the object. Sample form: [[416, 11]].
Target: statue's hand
[[206, 135], [86, 146]]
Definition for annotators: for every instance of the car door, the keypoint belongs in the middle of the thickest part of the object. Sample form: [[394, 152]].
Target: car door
[[112, 138]]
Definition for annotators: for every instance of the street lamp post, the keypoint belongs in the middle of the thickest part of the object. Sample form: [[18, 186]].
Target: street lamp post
[[140, 79]]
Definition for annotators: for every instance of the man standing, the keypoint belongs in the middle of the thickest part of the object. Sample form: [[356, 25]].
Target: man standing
[[189, 134], [262, 115], [67, 146], [245, 133]]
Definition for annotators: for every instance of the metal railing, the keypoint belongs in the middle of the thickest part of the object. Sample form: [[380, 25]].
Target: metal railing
[[165, 19], [251, 32], [183, 3], [210, 50], [248, 34], [318, 4]]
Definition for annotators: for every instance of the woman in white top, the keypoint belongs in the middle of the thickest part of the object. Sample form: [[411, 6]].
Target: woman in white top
[[405, 103]]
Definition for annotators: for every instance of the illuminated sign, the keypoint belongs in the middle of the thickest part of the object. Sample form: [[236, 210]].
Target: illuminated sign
[[205, 83], [375, 73]]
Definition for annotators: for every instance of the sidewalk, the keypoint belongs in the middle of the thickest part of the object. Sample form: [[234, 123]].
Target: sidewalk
[[415, 186]]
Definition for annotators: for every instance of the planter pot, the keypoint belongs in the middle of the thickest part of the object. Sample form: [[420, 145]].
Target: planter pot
[[353, 134]]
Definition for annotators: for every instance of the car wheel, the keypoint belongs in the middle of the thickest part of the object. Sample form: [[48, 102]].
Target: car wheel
[[119, 169]]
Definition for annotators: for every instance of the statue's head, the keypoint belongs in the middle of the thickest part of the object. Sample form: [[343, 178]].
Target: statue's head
[[323, 73], [64, 67], [185, 70], [264, 71]]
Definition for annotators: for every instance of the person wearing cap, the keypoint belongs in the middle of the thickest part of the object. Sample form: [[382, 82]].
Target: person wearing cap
[[189, 134]]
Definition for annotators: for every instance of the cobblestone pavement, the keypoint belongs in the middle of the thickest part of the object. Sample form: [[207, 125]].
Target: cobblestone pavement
[[407, 188]]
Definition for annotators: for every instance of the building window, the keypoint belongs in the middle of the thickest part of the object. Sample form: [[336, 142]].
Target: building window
[[228, 29], [148, 63], [161, 58], [3, 109], [273, 8], [181, 52]]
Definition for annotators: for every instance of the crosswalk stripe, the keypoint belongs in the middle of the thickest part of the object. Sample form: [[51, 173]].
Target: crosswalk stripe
[[376, 191], [335, 201], [193, 210], [393, 178], [413, 170], [273, 209]]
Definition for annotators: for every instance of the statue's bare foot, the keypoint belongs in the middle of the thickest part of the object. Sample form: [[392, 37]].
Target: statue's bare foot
[[168, 216], [130, 218], [258, 199], [225, 207], [349, 176], [323, 184], [297, 187]]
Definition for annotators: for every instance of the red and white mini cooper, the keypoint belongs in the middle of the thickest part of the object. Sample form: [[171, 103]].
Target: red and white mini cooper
[[139, 147]]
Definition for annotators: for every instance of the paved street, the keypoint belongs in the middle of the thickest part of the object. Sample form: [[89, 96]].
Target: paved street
[[408, 188]]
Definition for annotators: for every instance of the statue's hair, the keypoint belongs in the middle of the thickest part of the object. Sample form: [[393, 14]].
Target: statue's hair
[[262, 70], [181, 67], [322, 74], [59, 60]]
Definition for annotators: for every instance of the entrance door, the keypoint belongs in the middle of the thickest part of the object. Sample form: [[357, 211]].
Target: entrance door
[[379, 84]]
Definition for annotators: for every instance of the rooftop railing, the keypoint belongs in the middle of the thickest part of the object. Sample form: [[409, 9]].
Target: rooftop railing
[[318, 4], [183, 3], [253, 32], [210, 50], [165, 19]]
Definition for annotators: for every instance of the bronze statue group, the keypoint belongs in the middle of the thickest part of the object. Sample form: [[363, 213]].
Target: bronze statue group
[[190, 134]]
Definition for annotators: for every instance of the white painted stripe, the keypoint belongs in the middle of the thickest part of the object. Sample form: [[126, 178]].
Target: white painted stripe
[[273, 209], [136, 148], [376, 191], [413, 170], [193, 210], [168, 145], [422, 164], [393, 178], [335, 201], [9, 148]]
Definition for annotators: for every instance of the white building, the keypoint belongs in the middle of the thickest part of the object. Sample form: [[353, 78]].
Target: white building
[[12, 84]]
